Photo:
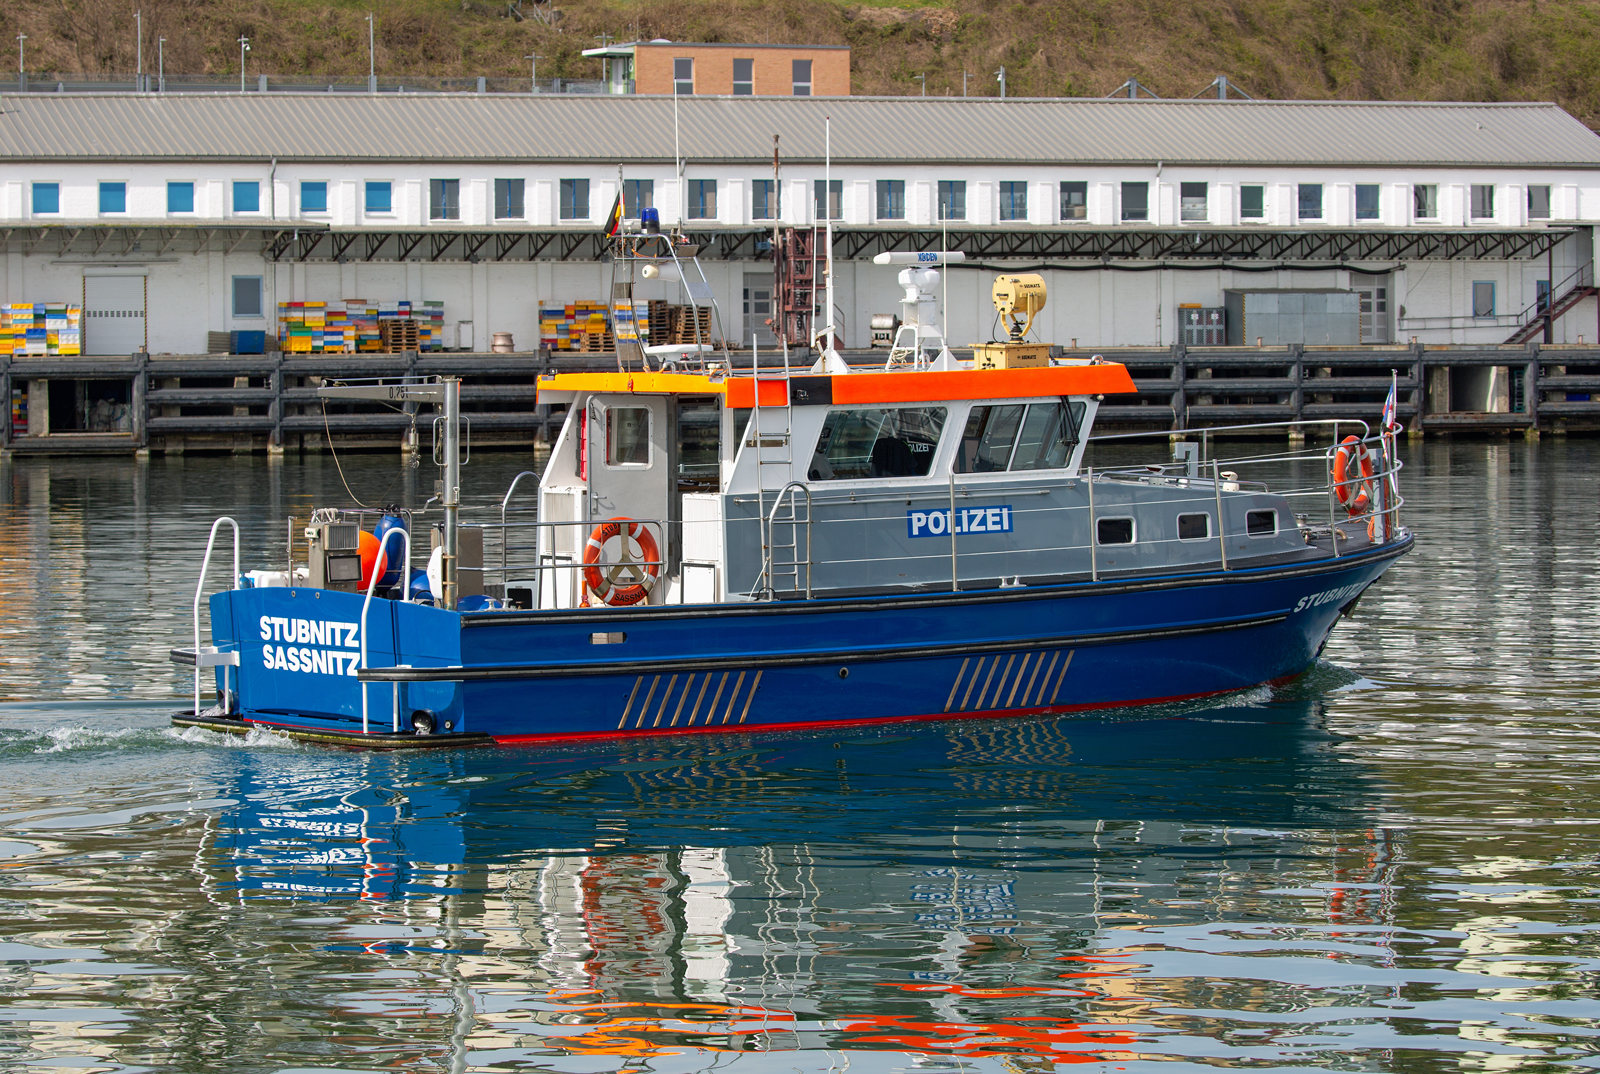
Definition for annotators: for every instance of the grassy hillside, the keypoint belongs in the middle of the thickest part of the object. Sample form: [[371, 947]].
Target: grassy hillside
[[1489, 50]]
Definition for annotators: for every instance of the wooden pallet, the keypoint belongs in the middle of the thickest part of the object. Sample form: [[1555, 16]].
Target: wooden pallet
[[398, 334], [684, 327]]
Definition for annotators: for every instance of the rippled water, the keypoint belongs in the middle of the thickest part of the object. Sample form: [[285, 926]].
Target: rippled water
[[1390, 865]]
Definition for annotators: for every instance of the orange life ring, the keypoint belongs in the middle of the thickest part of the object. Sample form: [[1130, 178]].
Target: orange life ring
[[601, 578], [1354, 494]]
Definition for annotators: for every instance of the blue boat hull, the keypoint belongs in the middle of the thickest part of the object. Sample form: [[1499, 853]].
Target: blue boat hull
[[540, 676]]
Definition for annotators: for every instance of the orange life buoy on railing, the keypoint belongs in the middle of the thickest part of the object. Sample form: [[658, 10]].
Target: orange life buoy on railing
[[1353, 493], [637, 574]]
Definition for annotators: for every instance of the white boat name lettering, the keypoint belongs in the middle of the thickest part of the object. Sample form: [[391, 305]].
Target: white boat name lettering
[[308, 661], [309, 631], [968, 520], [1329, 596]]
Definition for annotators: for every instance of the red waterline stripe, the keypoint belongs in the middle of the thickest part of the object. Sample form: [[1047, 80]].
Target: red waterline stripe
[[822, 725]]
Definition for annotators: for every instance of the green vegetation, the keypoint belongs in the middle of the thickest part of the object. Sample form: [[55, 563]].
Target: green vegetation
[[1487, 50]]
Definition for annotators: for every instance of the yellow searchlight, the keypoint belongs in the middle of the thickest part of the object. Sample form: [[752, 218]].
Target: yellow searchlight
[[1018, 299]]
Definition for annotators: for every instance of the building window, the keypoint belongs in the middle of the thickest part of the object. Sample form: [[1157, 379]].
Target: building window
[[1483, 299], [1252, 202], [180, 197], [574, 199], [1425, 202], [1074, 201], [702, 199], [952, 199], [637, 194], [113, 197], [508, 204], [1013, 201], [247, 296], [1310, 201], [1135, 201], [1192, 202], [1482, 201], [247, 196], [313, 197], [1538, 202], [891, 199], [683, 75], [833, 194], [744, 77], [444, 199], [763, 200], [380, 197], [802, 78], [1367, 201], [47, 197]]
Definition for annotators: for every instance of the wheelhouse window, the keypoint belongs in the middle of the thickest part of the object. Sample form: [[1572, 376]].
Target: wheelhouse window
[[1135, 201], [859, 444], [1014, 436], [1367, 201], [627, 436], [1192, 202], [1310, 201], [1074, 200]]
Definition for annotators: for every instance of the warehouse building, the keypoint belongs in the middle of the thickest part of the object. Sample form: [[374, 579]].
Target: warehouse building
[[173, 218]]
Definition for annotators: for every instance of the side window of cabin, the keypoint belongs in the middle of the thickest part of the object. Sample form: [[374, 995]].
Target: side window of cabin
[[627, 436], [857, 444], [1113, 530], [1003, 438], [1261, 523], [1194, 527]]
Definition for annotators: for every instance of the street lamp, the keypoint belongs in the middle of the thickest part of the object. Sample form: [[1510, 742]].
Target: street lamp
[[1000, 77], [22, 67], [161, 65], [372, 55], [533, 71], [244, 46], [924, 80]]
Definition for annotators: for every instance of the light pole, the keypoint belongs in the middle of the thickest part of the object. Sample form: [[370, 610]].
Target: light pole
[[924, 80], [533, 72], [22, 66], [138, 22], [244, 46], [372, 55], [1000, 77], [161, 65], [963, 82]]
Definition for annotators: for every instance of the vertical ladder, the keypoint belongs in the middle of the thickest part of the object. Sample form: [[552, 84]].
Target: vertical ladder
[[762, 442]]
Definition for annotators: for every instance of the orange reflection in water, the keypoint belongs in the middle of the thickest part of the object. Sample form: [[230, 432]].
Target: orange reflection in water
[[633, 1028], [1056, 1039]]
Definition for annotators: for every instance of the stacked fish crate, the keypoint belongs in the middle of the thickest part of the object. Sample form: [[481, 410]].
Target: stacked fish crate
[[589, 327], [355, 325], [41, 329]]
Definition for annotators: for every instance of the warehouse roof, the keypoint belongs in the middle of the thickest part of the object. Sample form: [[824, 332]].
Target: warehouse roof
[[454, 127]]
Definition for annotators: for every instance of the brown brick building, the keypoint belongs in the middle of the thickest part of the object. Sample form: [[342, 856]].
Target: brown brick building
[[736, 70]]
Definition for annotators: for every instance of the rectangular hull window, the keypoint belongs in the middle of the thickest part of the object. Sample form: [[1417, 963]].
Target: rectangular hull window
[[1114, 530], [1194, 527], [1261, 523]]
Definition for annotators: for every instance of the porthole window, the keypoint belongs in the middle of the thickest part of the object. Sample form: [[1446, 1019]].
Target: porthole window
[[1114, 530], [1194, 527], [1261, 523]]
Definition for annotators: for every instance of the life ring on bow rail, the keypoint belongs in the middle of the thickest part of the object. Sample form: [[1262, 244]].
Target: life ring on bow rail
[[629, 579], [1353, 493]]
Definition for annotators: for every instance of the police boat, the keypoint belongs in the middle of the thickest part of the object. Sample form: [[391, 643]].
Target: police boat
[[719, 549]]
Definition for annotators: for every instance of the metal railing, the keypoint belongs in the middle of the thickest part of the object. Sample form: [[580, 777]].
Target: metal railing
[[210, 656]]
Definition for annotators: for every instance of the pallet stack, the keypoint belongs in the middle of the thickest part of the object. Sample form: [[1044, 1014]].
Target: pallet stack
[[356, 325], [398, 334], [41, 329], [590, 328]]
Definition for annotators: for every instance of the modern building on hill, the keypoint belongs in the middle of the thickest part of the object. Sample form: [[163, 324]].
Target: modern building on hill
[[1156, 222], [687, 68]]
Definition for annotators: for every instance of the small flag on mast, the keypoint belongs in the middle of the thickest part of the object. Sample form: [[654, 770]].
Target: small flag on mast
[[1389, 403], [614, 218]]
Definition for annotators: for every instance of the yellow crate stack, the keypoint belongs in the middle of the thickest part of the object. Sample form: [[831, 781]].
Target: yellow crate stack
[[39, 329]]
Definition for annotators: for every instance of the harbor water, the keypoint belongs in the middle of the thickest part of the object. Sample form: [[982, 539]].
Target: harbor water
[[1391, 864]]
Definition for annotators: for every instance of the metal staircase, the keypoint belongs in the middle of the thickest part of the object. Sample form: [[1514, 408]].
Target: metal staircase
[[1577, 287]]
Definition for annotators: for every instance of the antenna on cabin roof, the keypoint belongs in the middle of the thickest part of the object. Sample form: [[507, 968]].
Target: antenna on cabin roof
[[1223, 90], [1131, 90]]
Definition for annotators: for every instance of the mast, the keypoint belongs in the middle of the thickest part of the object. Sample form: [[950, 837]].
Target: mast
[[452, 485], [829, 361]]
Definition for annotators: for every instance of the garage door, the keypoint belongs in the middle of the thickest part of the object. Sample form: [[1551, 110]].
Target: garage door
[[113, 314]]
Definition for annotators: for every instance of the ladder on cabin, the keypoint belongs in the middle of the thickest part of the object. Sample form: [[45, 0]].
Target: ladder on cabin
[[774, 450]]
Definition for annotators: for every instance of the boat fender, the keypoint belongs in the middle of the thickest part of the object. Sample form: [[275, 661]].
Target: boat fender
[[436, 573], [601, 578], [423, 722], [1353, 493]]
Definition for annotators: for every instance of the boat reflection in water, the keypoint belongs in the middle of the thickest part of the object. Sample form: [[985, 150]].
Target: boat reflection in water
[[961, 890]]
